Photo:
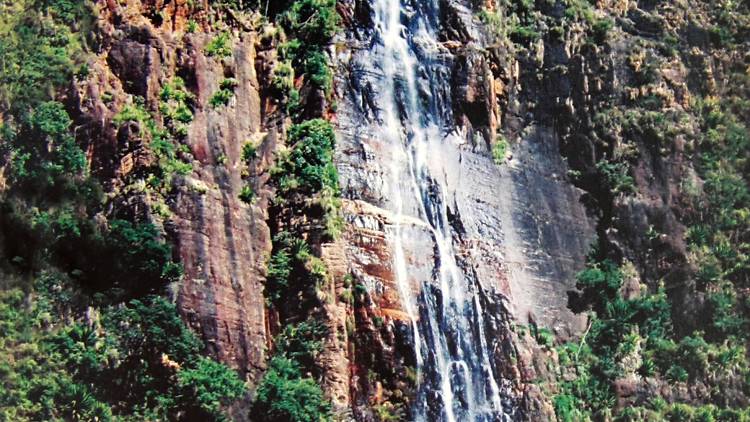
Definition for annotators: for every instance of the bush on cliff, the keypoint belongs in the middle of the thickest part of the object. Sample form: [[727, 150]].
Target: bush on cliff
[[285, 395], [53, 368], [308, 167]]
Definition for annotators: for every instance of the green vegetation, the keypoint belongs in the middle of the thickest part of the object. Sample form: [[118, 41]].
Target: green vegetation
[[293, 271], [307, 169], [305, 179], [310, 25], [220, 46], [247, 194], [616, 177], [318, 71], [249, 152], [284, 394], [53, 368], [224, 94], [175, 107], [160, 142], [688, 330], [308, 166], [53, 161], [39, 50], [500, 150], [312, 22], [632, 330], [80, 300]]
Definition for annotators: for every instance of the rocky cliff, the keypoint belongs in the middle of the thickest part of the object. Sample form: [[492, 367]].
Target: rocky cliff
[[222, 242], [408, 210]]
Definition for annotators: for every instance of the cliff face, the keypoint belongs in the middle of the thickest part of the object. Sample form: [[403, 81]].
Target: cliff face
[[519, 227], [482, 153], [222, 242], [574, 130]]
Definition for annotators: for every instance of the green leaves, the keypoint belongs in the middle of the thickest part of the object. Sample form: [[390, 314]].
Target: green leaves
[[308, 167], [616, 176], [284, 395], [137, 257], [500, 150], [318, 71], [209, 385], [150, 360], [314, 22], [301, 342], [37, 55], [51, 119], [600, 282], [220, 46], [224, 94], [161, 141]]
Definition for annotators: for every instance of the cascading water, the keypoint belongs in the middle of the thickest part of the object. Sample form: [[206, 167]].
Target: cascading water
[[456, 378]]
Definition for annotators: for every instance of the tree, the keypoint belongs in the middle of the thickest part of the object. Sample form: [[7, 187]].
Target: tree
[[284, 395]]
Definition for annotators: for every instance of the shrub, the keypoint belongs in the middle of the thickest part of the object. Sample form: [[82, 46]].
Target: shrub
[[616, 177], [500, 150], [51, 119], [283, 78], [249, 151], [142, 349], [219, 46], [160, 143], [680, 412], [279, 270], [314, 22], [301, 342], [39, 52], [318, 72], [284, 395], [247, 194], [545, 338], [309, 166], [567, 408], [676, 373], [176, 106], [579, 10], [131, 258], [524, 34], [42, 153], [207, 386], [287, 268], [600, 283], [601, 29], [221, 98]]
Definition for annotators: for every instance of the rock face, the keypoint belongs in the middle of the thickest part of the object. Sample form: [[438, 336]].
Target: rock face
[[520, 229], [517, 226], [221, 242]]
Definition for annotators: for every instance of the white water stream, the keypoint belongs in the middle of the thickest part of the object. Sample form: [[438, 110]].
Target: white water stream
[[456, 378]]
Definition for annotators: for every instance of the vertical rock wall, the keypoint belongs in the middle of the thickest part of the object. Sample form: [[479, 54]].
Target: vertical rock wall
[[222, 242], [521, 228]]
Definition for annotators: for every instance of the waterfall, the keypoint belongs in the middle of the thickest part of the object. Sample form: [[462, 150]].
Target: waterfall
[[456, 381]]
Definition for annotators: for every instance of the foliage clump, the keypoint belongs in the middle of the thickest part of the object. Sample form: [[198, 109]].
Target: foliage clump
[[308, 166], [284, 394], [167, 164], [224, 94], [219, 46]]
